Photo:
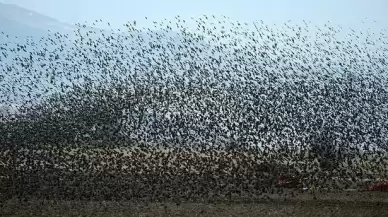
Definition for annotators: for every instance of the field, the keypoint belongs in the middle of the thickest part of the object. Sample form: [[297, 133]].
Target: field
[[339, 204], [351, 203]]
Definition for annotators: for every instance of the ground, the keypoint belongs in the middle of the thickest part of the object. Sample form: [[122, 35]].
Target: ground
[[335, 204]]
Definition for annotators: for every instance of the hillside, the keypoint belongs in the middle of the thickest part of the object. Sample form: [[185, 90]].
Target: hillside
[[21, 22]]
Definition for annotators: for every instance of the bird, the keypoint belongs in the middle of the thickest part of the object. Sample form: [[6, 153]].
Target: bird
[[223, 112]]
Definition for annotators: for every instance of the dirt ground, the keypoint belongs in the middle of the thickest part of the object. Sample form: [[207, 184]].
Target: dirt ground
[[341, 204], [336, 204]]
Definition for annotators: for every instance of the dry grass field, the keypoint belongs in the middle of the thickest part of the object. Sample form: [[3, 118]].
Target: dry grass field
[[366, 204], [354, 203]]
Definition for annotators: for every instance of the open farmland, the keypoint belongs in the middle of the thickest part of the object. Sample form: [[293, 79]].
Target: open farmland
[[98, 172], [332, 205], [172, 174]]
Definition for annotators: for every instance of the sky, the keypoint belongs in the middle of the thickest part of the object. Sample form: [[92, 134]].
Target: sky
[[117, 12], [355, 13]]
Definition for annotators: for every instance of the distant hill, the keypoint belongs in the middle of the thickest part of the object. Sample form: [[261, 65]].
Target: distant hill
[[18, 23], [21, 22]]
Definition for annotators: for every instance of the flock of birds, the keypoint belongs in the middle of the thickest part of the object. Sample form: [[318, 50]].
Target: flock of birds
[[212, 111]]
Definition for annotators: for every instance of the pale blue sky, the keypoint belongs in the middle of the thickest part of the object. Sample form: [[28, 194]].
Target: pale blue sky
[[342, 12]]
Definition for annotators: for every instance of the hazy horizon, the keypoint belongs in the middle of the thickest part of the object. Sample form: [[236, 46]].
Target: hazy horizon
[[346, 12]]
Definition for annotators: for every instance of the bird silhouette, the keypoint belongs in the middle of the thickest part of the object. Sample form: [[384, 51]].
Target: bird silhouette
[[225, 111]]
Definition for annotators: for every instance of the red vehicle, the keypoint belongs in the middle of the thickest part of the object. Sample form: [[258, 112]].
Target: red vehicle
[[379, 186], [288, 181]]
